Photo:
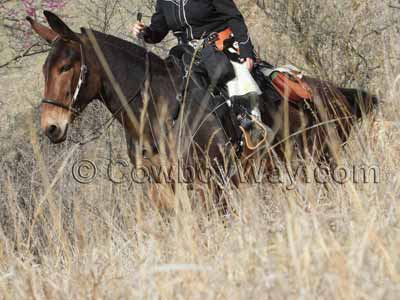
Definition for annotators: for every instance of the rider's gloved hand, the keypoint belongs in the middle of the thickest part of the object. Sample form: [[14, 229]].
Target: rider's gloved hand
[[138, 29], [249, 62]]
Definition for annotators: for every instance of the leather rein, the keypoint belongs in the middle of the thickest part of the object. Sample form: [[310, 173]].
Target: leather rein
[[82, 80]]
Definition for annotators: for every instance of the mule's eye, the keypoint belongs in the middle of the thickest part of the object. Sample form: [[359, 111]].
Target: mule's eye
[[65, 68]]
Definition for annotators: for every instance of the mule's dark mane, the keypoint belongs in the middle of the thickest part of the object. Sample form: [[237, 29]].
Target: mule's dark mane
[[129, 64], [129, 48]]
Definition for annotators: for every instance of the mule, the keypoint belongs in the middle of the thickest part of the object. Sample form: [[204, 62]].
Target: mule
[[141, 91]]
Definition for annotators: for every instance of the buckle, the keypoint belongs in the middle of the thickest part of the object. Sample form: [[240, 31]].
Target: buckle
[[196, 43], [84, 69], [212, 38]]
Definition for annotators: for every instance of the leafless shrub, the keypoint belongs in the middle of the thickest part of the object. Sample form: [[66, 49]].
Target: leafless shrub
[[61, 239], [338, 40], [117, 17]]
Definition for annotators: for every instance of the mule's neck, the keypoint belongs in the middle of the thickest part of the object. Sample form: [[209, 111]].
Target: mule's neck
[[131, 84], [122, 81]]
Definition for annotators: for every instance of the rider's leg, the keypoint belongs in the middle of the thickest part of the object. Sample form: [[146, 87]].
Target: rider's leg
[[221, 72], [217, 66]]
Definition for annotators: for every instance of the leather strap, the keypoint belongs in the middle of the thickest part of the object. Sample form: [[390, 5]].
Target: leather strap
[[81, 82]]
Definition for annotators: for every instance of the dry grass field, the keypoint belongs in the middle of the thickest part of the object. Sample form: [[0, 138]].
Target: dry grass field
[[60, 239]]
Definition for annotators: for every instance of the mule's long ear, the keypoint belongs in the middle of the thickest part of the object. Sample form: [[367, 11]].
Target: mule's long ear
[[60, 27], [43, 31]]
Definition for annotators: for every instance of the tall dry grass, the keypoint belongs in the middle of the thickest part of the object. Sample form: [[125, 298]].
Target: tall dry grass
[[63, 240]]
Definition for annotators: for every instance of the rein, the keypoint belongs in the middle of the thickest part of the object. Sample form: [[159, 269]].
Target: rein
[[81, 82], [100, 131], [108, 123]]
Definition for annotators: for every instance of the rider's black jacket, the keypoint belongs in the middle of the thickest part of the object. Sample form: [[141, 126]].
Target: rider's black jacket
[[197, 19]]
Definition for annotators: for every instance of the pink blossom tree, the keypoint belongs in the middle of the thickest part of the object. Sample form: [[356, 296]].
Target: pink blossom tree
[[13, 15]]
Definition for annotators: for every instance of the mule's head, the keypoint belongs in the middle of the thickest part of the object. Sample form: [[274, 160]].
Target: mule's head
[[62, 72]]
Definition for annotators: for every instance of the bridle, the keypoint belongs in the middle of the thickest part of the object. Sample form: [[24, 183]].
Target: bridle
[[81, 82]]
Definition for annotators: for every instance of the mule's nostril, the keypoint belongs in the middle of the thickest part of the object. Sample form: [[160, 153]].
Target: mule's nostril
[[53, 132]]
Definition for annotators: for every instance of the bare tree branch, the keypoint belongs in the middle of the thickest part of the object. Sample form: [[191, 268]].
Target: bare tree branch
[[27, 53]]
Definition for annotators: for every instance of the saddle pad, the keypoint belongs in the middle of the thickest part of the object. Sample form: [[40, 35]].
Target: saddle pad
[[290, 69]]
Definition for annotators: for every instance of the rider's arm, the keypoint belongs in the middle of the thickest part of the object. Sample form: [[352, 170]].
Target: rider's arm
[[237, 24], [158, 28]]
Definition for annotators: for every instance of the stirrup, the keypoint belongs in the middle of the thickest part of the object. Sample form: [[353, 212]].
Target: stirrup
[[251, 143]]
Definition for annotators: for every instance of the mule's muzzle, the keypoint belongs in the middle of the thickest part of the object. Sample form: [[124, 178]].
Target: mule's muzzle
[[56, 133]]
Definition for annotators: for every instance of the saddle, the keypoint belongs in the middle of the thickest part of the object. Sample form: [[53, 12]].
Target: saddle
[[289, 83], [286, 82]]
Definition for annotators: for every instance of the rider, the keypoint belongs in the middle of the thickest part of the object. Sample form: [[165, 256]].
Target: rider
[[193, 20]]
